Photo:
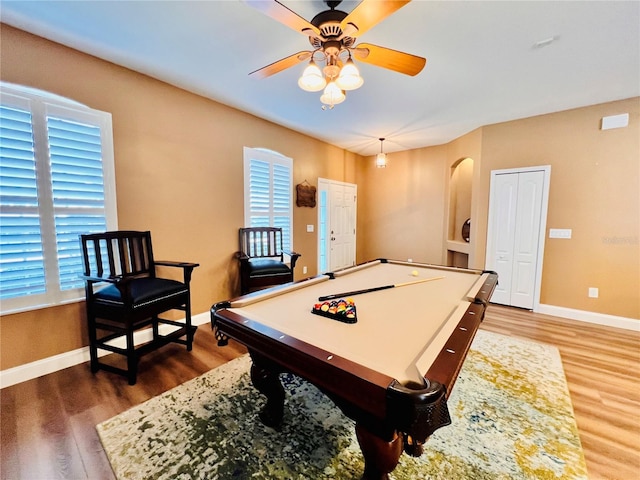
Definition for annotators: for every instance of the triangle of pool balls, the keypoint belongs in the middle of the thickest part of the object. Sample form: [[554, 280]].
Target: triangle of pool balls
[[342, 310]]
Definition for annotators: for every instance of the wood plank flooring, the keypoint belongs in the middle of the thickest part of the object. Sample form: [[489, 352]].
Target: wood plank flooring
[[48, 423]]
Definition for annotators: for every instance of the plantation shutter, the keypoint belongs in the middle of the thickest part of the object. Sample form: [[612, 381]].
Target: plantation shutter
[[75, 153], [21, 252], [54, 185], [282, 202], [259, 193], [268, 192]]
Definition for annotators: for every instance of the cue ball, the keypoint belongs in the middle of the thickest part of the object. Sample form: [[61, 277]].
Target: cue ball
[[414, 273]]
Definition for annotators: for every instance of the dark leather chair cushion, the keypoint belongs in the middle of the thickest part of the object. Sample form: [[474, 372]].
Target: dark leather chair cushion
[[144, 291], [262, 267]]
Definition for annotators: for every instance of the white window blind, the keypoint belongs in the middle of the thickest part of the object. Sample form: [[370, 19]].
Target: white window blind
[[268, 192], [56, 182]]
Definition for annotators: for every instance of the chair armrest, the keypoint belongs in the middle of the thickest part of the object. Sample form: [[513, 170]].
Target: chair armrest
[[294, 258], [168, 263], [104, 278], [122, 283], [243, 257], [186, 266]]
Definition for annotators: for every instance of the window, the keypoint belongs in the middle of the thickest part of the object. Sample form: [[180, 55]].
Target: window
[[56, 182], [268, 192]]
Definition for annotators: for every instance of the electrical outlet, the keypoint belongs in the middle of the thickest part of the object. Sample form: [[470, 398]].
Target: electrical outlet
[[304, 270], [593, 292]]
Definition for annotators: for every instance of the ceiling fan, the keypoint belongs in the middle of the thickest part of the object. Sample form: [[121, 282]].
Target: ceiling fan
[[332, 34]]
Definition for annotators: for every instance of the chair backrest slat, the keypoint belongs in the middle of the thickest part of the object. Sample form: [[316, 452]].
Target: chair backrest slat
[[98, 256], [261, 242], [123, 253]]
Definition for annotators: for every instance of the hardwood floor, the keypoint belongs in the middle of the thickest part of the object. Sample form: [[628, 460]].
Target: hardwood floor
[[602, 366], [48, 423]]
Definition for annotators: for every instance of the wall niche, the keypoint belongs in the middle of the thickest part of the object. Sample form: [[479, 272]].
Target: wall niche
[[460, 189]]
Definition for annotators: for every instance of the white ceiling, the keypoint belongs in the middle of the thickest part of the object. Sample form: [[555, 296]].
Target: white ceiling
[[483, 65]]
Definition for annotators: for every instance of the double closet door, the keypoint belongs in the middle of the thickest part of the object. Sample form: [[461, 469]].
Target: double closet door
[[515, 238]]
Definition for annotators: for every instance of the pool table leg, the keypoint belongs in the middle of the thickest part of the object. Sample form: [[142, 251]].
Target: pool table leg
[[380, 456], [267, 381]]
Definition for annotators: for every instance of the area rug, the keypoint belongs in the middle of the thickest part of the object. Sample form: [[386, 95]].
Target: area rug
[[511, 412]]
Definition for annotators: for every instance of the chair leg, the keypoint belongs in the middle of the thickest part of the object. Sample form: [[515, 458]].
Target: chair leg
[[187, 319], [156, 332], [132, 361], [93, 340]]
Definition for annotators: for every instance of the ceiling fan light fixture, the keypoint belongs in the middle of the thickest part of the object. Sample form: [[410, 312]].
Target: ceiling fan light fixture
[[332, 34], [332, 95], [349, 78], [312, 79]]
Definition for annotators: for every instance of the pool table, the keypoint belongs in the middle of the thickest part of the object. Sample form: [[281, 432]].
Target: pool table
[[391, 371]]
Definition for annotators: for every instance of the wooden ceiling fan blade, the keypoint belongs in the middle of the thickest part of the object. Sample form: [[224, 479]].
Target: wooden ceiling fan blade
[[283, 14], [281, 65], [371, 12], [391, 59]]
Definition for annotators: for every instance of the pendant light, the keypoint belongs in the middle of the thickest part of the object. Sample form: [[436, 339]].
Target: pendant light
[[381, 158]]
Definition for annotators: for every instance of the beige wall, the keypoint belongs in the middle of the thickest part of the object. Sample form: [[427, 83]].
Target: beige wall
[[594, 190], [400, 208], [179, 174], [595, 185]]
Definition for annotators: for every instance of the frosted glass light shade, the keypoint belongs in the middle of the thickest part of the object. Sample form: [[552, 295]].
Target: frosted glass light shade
[[332, 94], [312, 79], [349, 78], [381, 160]]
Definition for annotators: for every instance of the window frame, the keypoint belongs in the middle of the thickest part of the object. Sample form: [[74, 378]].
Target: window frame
[[42, 104], [272, 158]]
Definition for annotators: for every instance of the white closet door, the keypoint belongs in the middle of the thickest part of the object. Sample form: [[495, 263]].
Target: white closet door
[[525, 249], [515, 205], [502, 230]]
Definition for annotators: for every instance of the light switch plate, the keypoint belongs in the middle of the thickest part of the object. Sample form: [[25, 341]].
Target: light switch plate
[[310, 228]]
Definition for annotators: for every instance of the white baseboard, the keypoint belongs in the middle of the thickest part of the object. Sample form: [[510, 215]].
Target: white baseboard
[[36, 369], [591, 317]]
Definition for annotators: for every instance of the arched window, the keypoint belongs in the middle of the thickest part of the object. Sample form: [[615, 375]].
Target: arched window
[[268, 187], [56, 181]]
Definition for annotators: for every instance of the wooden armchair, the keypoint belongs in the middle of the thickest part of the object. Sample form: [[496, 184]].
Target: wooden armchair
[[261, 258], [124, 295]]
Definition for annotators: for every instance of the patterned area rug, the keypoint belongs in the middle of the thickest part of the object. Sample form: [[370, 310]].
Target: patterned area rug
[[511, 412]]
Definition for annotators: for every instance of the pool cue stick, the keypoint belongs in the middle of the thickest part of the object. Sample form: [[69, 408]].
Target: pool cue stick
[[375, 289]]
